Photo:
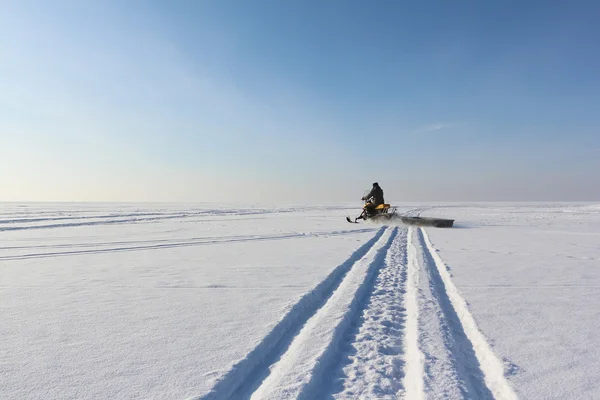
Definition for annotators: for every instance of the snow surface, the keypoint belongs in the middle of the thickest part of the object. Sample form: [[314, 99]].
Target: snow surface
[[138, 301]]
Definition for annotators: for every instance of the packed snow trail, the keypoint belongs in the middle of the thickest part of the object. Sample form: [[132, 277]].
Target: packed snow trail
[[413, 377], [390, 325], [372, 363]]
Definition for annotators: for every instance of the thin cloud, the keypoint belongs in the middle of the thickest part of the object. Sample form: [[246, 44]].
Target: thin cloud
[[438, 126]]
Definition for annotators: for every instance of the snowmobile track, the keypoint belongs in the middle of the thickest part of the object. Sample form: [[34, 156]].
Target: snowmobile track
[[452, 369], [478, 373], [371, 364], [159, 244], [303, 371], [247, 374], [388, 323]]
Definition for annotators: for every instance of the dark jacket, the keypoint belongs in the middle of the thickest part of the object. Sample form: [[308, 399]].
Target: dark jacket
[[377, 194]]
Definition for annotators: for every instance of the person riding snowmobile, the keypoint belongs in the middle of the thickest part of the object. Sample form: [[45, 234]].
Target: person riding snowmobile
[[374, 198]]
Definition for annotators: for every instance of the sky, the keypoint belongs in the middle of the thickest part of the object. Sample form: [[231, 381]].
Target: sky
[[299, 101]]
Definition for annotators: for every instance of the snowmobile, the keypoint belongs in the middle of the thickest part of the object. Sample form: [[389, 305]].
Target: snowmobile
[[383, 212]]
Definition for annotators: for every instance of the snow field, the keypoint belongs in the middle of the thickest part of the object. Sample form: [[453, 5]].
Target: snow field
[[248, 302]]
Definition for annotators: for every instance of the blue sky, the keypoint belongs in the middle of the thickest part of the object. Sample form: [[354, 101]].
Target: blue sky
[[298, 101]]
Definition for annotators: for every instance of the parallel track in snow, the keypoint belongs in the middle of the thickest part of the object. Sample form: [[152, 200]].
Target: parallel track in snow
[[247, 374], [479, 371], [388, 323], [34, 252]]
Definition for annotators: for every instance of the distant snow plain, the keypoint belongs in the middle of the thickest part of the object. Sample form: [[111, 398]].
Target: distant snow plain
[[171, 301]]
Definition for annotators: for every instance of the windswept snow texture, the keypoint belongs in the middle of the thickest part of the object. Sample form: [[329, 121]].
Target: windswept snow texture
[[203, 302]]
